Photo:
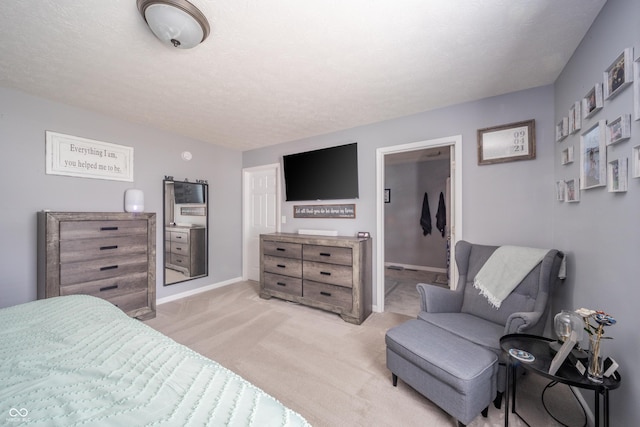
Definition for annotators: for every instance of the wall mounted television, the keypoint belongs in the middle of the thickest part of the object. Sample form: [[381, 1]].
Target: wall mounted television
[[188, 192], [325, 174]]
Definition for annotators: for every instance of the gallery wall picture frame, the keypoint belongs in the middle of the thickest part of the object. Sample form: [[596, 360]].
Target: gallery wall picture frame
[[575, 117], [619, 129], [617, 175], [635, 161], [562, 129], [593, 101], [619, 74], [636, 89], [507, 143], [561, 188], [593, 156], [567, 155], [572, 189]]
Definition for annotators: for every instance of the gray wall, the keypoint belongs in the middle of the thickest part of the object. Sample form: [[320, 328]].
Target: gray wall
[[508, 203], [404, 241], [26, 189], [601, 233]]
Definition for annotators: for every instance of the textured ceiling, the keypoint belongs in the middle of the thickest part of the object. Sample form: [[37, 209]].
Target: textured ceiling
[[278, 70]]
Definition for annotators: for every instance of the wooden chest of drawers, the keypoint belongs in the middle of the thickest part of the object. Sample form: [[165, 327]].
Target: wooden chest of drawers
[[331, 273], [108, 255], [186, 249]]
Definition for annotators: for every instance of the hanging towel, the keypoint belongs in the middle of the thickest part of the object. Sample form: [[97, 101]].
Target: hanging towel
[[441, 215], [425, 219]]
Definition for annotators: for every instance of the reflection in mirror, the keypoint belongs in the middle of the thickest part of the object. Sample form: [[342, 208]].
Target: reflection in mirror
[[186, 209]]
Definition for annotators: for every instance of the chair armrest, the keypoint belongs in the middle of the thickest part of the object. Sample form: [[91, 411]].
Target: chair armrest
[[521, 322], [435, 299]]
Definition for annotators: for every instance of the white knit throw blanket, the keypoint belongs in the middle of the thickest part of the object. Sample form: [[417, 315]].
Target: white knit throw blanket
[[504, 270]]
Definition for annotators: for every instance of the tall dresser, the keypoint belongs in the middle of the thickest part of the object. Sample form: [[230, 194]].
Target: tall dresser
[[331, 273], [111, 255]]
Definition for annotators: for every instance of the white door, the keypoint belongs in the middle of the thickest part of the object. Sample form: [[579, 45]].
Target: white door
[[261, 212]]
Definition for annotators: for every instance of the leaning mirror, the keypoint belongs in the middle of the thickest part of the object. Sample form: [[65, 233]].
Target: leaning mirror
[[186, 209]]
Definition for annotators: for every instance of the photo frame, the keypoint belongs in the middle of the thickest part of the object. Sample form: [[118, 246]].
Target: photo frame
[[619, 129], [575, 118], [387, 195], [567, 155], [592, 101], [619, 74], [572, 190], [593, 156], [635, 161], [562, 129], [561, 188], [507, 143], [617, 175], [636, 89]]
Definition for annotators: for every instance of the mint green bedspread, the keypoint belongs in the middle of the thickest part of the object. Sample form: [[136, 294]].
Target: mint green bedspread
[[79, 361]]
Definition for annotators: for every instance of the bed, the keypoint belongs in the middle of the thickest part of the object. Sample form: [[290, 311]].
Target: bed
[[80, 361]]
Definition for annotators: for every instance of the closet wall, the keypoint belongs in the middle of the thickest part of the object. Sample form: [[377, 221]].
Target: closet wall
[[405, 243]]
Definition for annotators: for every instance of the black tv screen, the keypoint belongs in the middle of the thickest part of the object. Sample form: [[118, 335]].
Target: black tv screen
[[325, 174], [188, 192]]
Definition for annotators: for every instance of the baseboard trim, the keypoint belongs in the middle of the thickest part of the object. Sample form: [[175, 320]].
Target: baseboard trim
[[197, 291], [416, 267]]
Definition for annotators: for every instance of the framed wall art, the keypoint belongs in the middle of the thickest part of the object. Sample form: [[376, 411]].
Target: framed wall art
[[561, 187], [619, 74], [567, 155], [575, 118], [635, 161], [636, 89], [617, 171], [593, 156], [592, 101], [572, 190], [507, 143], [562, 129], [87, 158], [619, 129]]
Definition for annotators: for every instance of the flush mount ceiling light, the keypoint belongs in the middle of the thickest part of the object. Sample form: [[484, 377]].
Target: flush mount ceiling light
[[177, 22]]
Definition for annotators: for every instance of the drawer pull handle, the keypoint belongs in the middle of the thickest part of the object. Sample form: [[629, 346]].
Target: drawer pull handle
[[325, 254], [104, 248], [282, 266], [178, 249], [178, 237], [326, 294], [280, 249], [281, 284], [109, 267], [325, 273], [108, 228], [108, 288]]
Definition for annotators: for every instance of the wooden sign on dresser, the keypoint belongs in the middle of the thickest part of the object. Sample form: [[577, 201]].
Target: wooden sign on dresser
[[331, 273], [111, 255]]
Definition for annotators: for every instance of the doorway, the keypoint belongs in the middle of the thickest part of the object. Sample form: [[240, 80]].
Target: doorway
[[261, 213], [448, 148]]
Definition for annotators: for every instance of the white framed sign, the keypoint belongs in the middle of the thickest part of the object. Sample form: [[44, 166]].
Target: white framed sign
[[87, 158]]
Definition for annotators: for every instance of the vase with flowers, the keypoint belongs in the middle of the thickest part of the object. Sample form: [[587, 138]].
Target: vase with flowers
[[596, 332]]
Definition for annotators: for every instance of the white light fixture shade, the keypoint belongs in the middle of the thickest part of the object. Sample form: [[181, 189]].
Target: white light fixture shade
[[133, 200], [175, 22]]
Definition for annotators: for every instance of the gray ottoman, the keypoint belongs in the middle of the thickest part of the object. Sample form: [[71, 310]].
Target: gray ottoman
[[455, 374]]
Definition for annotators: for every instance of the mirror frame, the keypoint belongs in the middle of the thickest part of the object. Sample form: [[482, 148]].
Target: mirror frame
[[190, 238]]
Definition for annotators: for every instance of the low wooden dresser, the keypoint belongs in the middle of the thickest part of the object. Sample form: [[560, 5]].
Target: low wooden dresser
[[186, 249], [331, 273], [110, 255]]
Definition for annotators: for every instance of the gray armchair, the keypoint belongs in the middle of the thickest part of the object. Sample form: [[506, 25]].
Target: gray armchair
[[451, 353], [467, 314]]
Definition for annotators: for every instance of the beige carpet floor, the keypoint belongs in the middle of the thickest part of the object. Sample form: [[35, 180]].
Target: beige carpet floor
[[333, 373]]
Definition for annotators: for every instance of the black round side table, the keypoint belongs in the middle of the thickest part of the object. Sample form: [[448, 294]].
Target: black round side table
[[566, 374]]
